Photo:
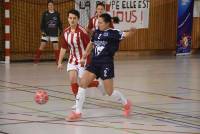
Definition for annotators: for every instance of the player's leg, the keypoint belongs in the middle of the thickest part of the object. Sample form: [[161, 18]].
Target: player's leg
[[94, 83], [107, 74], [81, 71], [108, 86], [117, 95], [73, 77], [44, 40], [86, 79], [54, 41], [76, 74]]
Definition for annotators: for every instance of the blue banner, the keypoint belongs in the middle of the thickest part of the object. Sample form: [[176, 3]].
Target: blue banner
[[184, 31]]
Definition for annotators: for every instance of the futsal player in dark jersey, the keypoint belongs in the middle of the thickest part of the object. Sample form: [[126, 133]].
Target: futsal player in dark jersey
[[104, 43], [50, 27]]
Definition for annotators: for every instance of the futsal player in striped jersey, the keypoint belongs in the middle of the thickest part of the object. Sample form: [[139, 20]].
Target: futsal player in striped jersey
[[75, 40], [93, 21]]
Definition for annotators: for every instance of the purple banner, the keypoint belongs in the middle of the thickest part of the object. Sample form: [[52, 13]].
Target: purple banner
[[184, 31]]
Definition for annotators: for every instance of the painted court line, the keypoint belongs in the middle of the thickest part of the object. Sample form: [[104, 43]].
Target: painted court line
[[185, 122]]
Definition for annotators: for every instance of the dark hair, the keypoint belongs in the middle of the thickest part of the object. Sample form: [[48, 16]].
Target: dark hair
[[75, 12], [100, 4], [115, 20], [106, 18], [50, 1]]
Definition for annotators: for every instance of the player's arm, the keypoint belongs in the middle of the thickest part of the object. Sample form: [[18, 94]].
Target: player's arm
[[60, 24], [61, 56], [63, 50], [87, 52], [129, 33], [89, 27], [42, 24]]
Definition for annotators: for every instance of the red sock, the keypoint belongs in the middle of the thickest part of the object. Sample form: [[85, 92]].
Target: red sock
[[94, 83], [37, 56], [74, 88], [57, 53]]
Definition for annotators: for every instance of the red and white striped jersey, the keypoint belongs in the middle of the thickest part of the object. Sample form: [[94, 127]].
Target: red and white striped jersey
[[76, 42], [93, 23]]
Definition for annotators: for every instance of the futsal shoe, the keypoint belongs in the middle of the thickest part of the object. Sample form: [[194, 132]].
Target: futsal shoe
[[73, 117], [127, 108]]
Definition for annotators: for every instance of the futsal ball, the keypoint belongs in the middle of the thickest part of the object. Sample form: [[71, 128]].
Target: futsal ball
[[41, 97]]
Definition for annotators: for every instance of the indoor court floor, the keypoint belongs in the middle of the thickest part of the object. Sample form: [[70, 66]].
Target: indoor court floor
[[165, 92]]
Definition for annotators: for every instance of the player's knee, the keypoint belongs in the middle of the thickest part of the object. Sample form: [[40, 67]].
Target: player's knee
[[83, 84]]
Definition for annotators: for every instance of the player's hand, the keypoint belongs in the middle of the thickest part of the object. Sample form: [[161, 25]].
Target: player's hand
[[82, 62], [60, 33], [44, 34], [60, 67], [129, 32]]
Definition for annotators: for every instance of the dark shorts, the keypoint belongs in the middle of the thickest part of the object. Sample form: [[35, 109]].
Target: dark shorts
[[103, 71]]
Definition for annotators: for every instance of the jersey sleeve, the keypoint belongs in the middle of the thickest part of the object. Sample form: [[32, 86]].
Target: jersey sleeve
[[92, 37], [115, 38], [59, 23], [42, 24], [118, 35], [90, 24], [63, 42]]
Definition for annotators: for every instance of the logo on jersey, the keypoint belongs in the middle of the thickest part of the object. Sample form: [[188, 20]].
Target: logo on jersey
[[99, 36], [99, 47], [98, 50], [105, 34], [54, 18], [51, 24]]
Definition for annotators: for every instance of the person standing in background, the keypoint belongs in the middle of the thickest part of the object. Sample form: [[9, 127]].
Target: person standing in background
[[50, 27]]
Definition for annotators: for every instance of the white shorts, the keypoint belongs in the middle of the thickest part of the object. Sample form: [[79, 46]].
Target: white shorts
[[80, 70], [50, 38]]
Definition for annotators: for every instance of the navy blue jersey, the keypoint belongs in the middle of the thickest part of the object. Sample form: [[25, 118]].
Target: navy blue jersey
[[50, 23], [106, 43]]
